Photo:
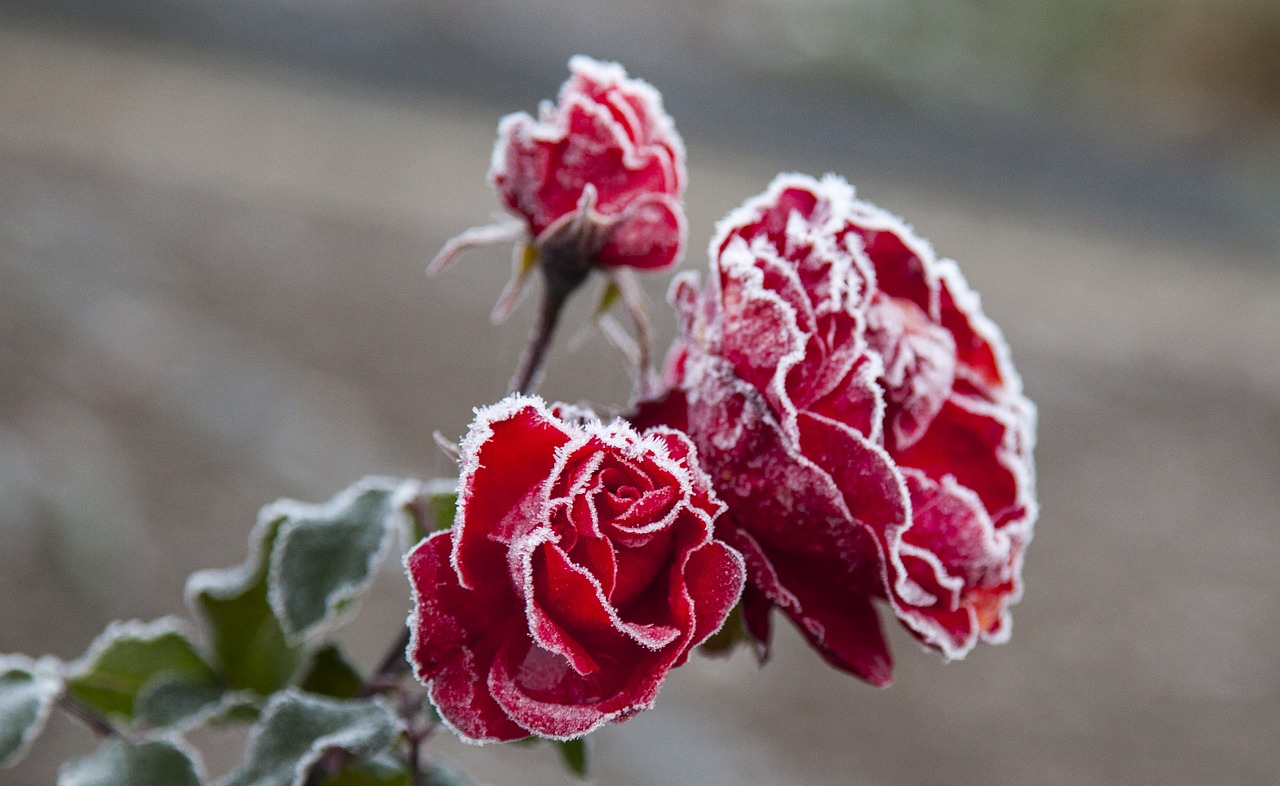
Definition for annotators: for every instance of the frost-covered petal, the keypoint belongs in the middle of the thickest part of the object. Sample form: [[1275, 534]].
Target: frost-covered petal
[[648, 235], [957, 553], [509, 452], [450, 651]]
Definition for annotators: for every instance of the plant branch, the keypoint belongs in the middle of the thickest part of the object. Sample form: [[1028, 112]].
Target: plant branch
[[535, 354], [91, 718]]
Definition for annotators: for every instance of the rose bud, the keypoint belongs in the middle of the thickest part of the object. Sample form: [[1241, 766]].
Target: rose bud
[[604, 164], [595, 182], [861, 420], [581, 568]]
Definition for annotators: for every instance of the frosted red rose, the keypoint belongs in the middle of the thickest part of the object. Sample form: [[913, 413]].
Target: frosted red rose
[[581, 568], [606, 156], [863, 423]]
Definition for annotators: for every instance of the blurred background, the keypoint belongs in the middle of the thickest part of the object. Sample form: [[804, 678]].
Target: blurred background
[[214, 219]]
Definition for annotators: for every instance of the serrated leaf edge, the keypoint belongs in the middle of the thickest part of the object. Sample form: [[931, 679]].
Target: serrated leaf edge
[[401, 492], [46, 667], [132, 629]]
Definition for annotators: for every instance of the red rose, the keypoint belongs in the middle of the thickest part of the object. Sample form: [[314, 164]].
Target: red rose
[[580, 570], [606, 155], [862, 422]]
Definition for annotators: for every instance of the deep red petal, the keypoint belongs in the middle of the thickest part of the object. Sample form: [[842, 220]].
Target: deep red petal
[[649, 234], [449, 651], [508, 456]]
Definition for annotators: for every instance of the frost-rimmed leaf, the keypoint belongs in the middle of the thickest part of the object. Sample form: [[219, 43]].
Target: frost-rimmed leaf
[[325, 556], [330, 674], [130, 660], [154, 762], [28, 691], [297, 729], [248, 646], [573, 755]]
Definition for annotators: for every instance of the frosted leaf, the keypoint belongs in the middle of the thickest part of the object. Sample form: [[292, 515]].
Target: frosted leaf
[[135, 665], [167, 761], [296, 729], [28, 691], [248, 646], [325, 556]]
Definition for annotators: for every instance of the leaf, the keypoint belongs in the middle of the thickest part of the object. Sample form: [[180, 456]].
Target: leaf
[[132, 658], [172, 700], [297, 729], [28, 690], [249, 648], [149, 763], [443, 496], [379, 771], [611, 294], [331, 675], [573, 754], [724, 641], [325, 556]]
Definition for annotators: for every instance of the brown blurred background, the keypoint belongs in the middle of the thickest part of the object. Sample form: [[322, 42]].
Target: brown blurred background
[[214, 219]]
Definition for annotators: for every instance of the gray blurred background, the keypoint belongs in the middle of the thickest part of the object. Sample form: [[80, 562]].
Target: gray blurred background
[[214, 219]]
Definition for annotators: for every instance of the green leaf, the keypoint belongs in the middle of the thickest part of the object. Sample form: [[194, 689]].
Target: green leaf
[[132, 658], [378, 771], [443, 496], [172, 700], [28, 690], [325, 556], [573, 754], [297, 729], [249, 648], [611, 294], [725, 640], [149, 763], [331, 675]]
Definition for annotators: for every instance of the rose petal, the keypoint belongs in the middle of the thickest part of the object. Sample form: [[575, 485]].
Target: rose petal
[[447, 651], [511, 448], [649, 234]]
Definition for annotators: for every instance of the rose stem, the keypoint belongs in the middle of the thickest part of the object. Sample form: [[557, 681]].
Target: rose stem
[[535, 354], [89, 717], [565, 258]]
